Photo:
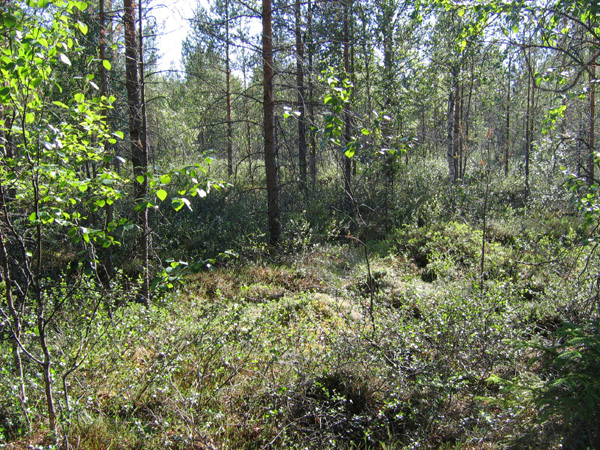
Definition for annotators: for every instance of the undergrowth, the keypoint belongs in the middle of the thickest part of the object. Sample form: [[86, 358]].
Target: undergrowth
[[289, 354]]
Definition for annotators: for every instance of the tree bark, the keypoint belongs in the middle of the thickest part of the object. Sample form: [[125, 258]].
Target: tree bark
[[301, 99], [107, 255], [450, 138], [311, 109], [347, 111], [139, 155], [591, 160], [269, 126], [507, 140], [457, 130], [528, 137], [228, 89]]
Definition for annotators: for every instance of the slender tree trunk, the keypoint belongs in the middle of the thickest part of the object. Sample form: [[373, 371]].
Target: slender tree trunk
[[301, 99], [466, 122], [457, 129], [12, 308], [528, 131], [591, 160], [107, 252], [311, 94], [35, 277], [507, 140], [139, 155], [146, 237], [228, 88], [450, 137], [269, 126], [347, 112]]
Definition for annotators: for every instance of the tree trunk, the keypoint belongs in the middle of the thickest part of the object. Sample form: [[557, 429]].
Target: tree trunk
[[107, 255], [301, 100], [457, 130], [228, 88], [311, 94], [591, 160], [450, 138], [347, 112], [269, 126], [527, 132], [139, 155], [145, 219], [12, 308], [507, 140]]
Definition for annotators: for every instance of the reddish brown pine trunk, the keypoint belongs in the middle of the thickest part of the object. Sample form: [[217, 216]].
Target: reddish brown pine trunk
[[269, 125], [139, 155], [300, 87]]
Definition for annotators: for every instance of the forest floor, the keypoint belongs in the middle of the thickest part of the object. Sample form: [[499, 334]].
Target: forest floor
[[428, 340]]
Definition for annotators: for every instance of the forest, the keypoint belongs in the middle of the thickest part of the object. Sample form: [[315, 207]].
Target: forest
[[336, 224]]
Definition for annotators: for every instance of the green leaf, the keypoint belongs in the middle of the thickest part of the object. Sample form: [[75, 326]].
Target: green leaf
[[161, 194], [82, 27], [165, 179], [119, 134], [177, 204], [107, 65], [9, 20], [79, 97], [140, 179], [5, 92]]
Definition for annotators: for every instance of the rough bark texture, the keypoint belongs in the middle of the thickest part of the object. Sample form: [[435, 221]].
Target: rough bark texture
[[507, 140], [311, 109], [269, 126], [528, 130], [450, 138], [300, 88], [591, 163], [457, 131], [347, 110], [228, 89], [107, 254], [139, 157]]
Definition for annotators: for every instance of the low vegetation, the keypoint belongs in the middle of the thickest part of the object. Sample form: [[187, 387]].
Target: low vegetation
[[439, 342]]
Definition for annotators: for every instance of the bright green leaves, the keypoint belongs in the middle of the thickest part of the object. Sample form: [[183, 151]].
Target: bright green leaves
[[4, 94], [366, 135], [82, 27], [179, 203], [336, 99], [161, 194], [7, 20], [106, 64], [548, 123], [59, 138]]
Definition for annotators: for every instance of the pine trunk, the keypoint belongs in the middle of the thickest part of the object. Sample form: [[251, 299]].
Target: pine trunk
[[269, 126]]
